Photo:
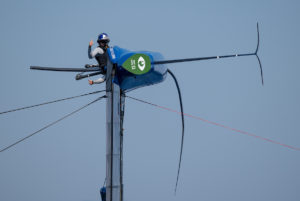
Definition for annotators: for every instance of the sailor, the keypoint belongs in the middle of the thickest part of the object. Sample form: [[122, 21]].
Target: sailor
[[99, 53]]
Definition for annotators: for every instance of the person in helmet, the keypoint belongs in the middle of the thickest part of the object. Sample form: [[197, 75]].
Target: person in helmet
[[99, 53]]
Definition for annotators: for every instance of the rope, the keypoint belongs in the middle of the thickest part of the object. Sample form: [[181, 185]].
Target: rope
[[51, 124], [220, 125], [55, 101], [182, 121]]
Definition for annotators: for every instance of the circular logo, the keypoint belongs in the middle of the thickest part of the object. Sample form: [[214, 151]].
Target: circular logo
[[141, 63]]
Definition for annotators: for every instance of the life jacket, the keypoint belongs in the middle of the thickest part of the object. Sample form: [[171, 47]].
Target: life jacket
[[102, 58]]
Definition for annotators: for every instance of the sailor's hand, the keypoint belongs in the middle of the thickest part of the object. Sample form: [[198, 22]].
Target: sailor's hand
[[91, 43], [91, 82]]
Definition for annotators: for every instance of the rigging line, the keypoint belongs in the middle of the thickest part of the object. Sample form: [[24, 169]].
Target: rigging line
[[104, 182], [182, 120], [51, 124], [220, 125], [55, 101]]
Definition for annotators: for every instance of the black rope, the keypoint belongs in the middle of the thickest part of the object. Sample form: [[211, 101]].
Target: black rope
[[182, 120], [182, 117], [51, 124], [55, 101]]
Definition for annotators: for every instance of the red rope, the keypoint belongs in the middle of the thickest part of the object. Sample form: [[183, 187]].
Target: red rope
[[220, 125]]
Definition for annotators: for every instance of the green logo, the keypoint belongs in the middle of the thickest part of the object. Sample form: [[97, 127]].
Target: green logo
[[138, 64]]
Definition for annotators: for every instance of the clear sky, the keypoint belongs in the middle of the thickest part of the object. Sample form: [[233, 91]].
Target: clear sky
[[67, 161]]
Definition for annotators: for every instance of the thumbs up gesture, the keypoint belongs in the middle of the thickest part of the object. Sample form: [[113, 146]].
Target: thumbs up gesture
[[91, 43]]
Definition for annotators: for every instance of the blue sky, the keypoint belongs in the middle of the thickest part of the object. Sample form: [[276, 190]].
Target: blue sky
[[67, 161]]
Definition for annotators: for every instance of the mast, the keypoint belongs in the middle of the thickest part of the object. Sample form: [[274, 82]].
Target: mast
[[114, 139]]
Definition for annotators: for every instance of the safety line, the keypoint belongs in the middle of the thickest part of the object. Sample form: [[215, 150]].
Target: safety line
[[55, 101], [217, 124], [51, 124]]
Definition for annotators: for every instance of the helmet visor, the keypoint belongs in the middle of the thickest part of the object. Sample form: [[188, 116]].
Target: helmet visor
[[103, 41]]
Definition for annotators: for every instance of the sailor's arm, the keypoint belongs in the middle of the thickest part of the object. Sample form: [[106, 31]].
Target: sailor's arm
[[98, 81], [90, 49]]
